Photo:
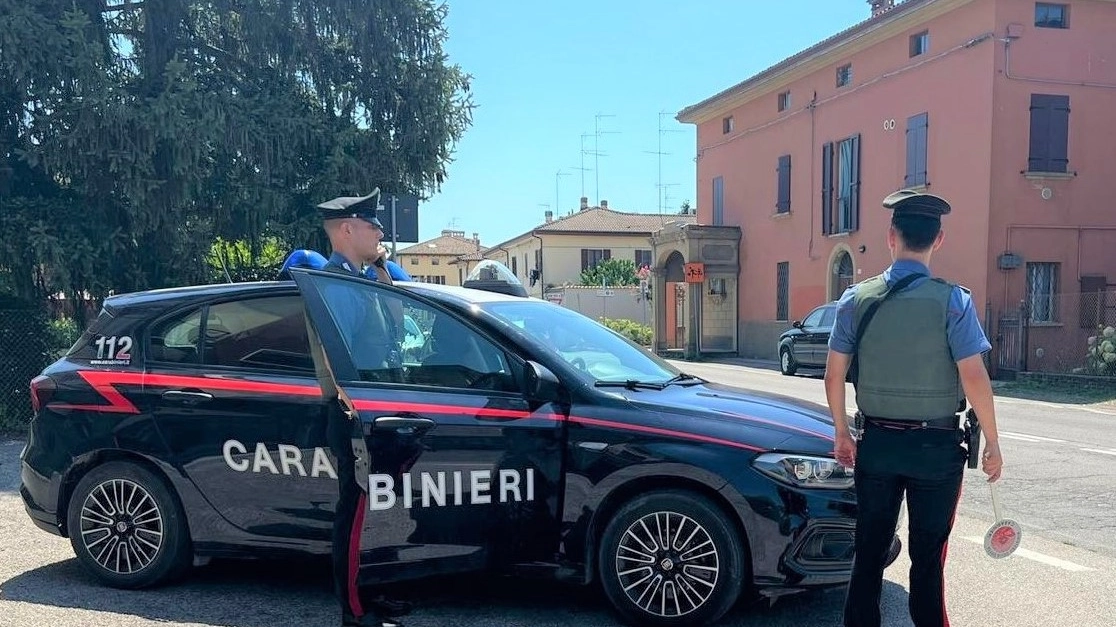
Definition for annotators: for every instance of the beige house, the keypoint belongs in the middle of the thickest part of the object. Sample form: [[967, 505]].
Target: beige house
[[556, 252], [435, 260]]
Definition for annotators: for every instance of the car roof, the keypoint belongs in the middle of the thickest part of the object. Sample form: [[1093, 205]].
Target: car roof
[[178, 295]]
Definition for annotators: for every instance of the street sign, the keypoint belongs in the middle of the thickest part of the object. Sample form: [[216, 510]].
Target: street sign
[[399, 215], [695, 272], [606, 293]]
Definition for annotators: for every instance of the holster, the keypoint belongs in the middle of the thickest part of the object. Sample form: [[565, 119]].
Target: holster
[[972, 438], [361, 458], [858, 425]]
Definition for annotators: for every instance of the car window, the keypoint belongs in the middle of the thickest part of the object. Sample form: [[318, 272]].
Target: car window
[[258, 333], [596, 352], [828, 316], [175, 340], [815, 318], [394, 338]]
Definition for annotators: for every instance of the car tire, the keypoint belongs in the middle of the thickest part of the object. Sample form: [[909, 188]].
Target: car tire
[[787, 364], [127, 528], [683, 584]]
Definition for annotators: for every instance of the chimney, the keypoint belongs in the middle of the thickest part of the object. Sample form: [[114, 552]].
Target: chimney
[[549, 216], [604, 204], [476, 238], [881, 6], [584, 203]]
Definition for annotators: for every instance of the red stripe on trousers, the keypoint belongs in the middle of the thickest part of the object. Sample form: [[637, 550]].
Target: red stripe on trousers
[[354, 556], [945, 551]]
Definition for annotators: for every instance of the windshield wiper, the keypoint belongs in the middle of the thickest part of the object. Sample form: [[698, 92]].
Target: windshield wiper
[[683, 377], [630, 384]]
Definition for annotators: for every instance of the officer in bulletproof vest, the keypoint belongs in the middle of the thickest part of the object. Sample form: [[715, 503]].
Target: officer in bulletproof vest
[[355, 234], [917, 348]]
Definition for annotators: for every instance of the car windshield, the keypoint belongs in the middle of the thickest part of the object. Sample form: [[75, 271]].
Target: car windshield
[[599, 354]]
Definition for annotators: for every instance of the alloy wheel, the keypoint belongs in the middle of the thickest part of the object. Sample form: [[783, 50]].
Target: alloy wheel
[[121, 526], [667, 564]]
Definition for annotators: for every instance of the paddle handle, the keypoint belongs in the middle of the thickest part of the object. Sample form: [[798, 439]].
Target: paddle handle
[[995, 502]]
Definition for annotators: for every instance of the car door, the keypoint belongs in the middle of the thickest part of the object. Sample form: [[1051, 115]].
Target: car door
[[804, 343], [819, 335], [232, 388], [464, 471]]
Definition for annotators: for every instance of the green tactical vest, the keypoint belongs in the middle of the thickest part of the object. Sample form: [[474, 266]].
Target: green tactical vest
[[907, 371]]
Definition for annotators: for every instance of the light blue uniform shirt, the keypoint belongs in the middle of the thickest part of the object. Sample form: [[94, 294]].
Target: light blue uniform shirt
[[963, 330]]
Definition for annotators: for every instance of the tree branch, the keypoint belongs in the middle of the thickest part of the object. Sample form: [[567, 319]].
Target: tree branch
[[122, 5]]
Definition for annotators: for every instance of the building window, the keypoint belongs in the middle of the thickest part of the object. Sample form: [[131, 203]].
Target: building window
[[727, 125], [414, 261], [642, 258], [920, 43], [590, 257], [782, 290], [782, 204], [718, 201], [841, 186], [784, 101], [844, 75], [1042, 291], [515, 266], [1049, 15], [1049, 148], [916, 150], [435, 261]]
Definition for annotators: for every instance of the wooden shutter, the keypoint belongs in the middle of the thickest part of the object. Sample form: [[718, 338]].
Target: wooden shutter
[[854, 189], [1049, 141], [827, 188], [584, 259], [607, 254], [916, 150], [782, 205]]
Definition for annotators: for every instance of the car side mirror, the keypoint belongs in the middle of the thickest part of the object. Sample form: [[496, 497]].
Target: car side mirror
[[542, 384], [797, 324]]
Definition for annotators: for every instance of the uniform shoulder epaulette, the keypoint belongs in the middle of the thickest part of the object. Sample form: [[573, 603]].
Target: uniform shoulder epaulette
[[951, 284]]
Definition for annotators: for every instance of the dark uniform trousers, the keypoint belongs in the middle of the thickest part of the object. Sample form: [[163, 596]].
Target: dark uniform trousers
[[348, 518], [927, 464]]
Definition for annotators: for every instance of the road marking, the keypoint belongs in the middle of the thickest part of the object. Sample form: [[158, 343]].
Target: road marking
[[1039, 557], [1098, 450], [1027, 437]]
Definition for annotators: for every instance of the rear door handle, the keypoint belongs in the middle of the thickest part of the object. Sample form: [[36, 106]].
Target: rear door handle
[[408, 426], [190, 398]]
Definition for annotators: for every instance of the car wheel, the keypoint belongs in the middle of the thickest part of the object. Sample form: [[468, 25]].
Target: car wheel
[[671, 559], [787, 364], [127, 528]]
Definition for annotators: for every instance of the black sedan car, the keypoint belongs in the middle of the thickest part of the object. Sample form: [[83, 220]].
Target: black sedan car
[[806, 343], [509, 435]]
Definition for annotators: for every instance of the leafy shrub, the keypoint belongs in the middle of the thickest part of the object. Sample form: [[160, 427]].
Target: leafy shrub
[[639, 333], [1100, 357]]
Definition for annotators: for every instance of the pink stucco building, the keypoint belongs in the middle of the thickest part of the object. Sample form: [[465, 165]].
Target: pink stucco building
[[1007, 108]]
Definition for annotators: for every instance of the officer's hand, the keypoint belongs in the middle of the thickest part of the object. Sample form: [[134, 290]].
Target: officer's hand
[[844, 449], [992, 462]]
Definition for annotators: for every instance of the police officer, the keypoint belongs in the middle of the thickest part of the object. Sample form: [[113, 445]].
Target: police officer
[[919, 357], [354, 235]]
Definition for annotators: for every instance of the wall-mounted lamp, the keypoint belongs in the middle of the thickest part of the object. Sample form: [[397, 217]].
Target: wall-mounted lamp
[[862, 248]]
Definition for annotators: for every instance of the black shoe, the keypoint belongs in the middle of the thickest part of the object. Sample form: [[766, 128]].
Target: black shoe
[[390, 608]]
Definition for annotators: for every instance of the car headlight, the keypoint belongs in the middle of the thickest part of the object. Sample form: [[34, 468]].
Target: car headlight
[[805, 471]]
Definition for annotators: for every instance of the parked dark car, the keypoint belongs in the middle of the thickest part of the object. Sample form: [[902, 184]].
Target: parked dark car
[[509, 434], [806, 343]]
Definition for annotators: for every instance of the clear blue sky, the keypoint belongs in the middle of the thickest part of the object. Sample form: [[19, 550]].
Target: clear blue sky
[[542, 71]]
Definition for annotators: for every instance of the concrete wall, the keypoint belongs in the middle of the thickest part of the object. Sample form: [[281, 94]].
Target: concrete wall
[[624, 303]]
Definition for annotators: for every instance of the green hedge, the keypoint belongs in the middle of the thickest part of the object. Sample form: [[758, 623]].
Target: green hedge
[[638, 333]]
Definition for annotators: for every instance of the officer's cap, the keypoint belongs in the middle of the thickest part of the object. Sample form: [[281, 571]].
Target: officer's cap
[[363, 207], [912, 203]]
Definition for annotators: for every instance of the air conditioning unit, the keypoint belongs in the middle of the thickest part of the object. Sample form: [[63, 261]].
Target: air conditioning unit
[[1010, 261]]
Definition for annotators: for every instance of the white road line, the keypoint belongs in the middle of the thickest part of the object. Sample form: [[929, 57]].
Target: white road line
[[1101, 451], [1026, 437], [1039, 557]]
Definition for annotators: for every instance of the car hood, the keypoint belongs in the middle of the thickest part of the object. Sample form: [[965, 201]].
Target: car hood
[[761, 419]]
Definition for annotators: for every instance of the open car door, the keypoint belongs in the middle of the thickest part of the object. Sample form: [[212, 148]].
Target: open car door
[[461, 459]]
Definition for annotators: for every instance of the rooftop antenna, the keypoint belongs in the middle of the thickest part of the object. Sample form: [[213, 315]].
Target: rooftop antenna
[[558, 175], [660, 154], [583, 153], [597, 132]]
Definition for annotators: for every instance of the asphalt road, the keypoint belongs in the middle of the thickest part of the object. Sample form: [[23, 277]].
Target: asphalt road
[[1063, 574]]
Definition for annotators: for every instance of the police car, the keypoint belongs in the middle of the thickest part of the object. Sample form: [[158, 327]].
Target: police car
[[504, 434]]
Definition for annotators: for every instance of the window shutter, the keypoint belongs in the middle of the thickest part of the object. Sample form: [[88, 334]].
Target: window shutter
[[1039, 154], [783, 203], [1058, 151], [916, 150], [827, 188], [584, 259], [854, 192]]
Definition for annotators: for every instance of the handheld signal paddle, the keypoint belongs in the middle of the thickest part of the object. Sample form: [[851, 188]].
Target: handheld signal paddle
[[1004, 535]]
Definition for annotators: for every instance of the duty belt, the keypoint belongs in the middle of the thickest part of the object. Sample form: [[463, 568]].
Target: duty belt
[[947, 422]]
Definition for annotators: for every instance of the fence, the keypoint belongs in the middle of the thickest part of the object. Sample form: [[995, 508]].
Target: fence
[[624, 303], [1071, 333], [31, 340]]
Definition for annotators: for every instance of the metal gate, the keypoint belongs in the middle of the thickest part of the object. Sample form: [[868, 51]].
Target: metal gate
[[1011, 340]]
